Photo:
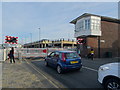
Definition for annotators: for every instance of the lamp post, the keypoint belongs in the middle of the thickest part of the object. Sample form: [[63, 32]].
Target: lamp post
[[39, 37], [31, 38], [25, 39]]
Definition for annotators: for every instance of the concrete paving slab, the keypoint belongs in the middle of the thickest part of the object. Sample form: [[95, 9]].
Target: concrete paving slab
[[18, 75]]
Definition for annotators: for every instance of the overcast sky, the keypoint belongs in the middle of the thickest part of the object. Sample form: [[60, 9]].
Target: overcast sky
[[22, 18]]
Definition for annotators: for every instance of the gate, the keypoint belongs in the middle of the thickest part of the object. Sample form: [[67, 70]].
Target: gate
[[21, 53]]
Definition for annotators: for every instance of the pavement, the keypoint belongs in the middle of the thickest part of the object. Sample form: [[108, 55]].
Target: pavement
[[20, 75]]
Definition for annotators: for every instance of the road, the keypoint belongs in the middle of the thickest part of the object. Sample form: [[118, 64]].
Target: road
[[85, 78]]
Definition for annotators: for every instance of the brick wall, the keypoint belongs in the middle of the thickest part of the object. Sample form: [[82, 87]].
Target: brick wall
[[110, 35], [93, 43]]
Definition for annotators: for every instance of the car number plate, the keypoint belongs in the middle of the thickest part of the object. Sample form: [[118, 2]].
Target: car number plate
[[72, 62]]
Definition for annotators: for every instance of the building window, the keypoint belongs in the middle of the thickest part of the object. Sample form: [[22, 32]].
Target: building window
[[87, 24], [95, 24], [79, 26]]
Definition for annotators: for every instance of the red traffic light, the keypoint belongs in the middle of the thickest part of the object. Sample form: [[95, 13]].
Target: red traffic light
[[11, 40], [80, 41]]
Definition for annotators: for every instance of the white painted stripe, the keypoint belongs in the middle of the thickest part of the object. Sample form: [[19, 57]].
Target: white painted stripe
[[42, 75], [89, 68]]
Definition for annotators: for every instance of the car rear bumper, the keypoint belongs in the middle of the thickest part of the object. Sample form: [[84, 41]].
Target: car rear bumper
[[71, 67]]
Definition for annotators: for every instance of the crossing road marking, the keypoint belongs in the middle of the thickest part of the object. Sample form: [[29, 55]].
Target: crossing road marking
[[89, 68]]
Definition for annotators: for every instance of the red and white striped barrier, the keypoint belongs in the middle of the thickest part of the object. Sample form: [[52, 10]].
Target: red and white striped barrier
[[33, 52]]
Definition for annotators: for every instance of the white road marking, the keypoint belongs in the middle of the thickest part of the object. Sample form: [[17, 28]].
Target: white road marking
[[42, 75], [90, 68]]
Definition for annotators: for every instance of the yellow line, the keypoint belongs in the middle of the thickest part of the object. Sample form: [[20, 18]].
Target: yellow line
[[43, 75]]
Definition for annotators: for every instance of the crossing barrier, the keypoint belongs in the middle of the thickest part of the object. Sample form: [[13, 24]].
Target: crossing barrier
[[21, 53]]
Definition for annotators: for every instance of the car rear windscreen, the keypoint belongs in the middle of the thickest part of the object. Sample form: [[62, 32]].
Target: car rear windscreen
[[71, 55]]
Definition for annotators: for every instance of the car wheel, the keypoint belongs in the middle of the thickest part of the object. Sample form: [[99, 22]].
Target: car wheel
[[46, 63], [59, 69], [112, 84]]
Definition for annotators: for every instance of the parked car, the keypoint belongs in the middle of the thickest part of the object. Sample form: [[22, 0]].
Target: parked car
[[63, 60], [109, 76]]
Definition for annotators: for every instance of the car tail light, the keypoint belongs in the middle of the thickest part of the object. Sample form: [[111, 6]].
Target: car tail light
[[63, 57]]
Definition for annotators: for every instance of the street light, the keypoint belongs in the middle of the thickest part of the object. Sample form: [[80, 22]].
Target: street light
[[25, 39], [39, 37], [31, 38]]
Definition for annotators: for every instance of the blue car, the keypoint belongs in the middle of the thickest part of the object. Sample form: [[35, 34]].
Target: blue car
[[64, 61]]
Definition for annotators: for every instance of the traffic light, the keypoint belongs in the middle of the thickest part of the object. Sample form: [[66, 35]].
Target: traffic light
[[11, 40], [80, 41]]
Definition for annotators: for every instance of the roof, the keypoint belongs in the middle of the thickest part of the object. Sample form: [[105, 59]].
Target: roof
[[103, 18]]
